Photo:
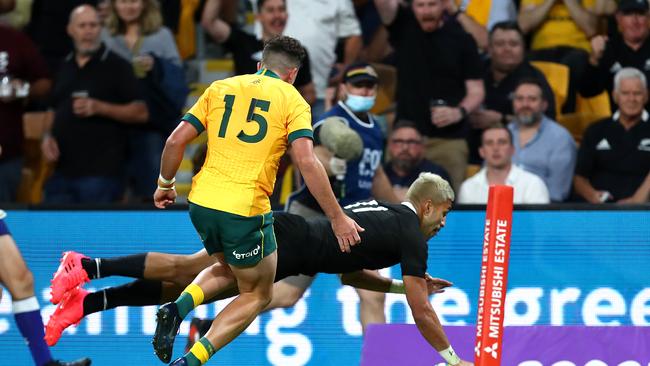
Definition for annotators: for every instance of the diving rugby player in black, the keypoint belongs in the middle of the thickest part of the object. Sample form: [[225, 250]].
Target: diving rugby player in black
[[394, 234]]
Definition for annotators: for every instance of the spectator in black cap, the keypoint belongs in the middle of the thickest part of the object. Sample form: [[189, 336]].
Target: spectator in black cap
[[364, 177], [354, 180], [439, 78], [610, 54]]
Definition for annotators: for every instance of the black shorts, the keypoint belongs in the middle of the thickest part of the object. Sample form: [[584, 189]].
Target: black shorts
[[291, 232]]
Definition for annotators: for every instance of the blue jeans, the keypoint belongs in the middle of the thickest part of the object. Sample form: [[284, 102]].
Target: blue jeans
[[143, 167], [10, 175], [63, 190]]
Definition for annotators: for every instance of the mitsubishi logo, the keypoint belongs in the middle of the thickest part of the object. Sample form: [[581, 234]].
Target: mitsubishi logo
[[492, 350], [477, 349]]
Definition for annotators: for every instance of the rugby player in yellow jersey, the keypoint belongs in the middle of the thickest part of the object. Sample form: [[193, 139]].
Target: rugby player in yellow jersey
[[250, 120]]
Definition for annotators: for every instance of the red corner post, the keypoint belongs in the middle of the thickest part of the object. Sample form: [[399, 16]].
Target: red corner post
[[494, 277]]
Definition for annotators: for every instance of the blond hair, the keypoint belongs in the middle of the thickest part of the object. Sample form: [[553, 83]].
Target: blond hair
[[150, 20], [432, 187]]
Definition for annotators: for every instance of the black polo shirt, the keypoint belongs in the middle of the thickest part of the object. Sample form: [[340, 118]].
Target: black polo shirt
[[499, 94], [93, 146], [431, 66], [392, 235], [614, 159], [247, 52], [616, 56]]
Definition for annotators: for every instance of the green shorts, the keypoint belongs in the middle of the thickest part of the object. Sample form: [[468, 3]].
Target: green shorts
[[243, 240]]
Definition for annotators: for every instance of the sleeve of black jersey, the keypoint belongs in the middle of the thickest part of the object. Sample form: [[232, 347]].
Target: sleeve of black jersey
[[472, 65], [599, 76], [414, 249], [304, 75]]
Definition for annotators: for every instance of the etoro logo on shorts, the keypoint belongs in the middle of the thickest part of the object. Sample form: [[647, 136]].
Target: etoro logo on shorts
[[253, 252]]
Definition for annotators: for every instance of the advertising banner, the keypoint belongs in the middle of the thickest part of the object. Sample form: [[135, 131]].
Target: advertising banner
[[400, 344], [566, 268]]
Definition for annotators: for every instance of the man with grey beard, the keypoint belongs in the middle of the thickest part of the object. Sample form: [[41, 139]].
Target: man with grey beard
[[95, 95], [542, 146], [406, 152]]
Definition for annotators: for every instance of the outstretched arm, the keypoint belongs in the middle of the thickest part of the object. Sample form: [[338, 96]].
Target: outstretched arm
[[426, 319], [373, 281]]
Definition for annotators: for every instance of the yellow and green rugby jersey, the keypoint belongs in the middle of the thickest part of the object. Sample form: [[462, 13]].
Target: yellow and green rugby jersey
[[250, 120]]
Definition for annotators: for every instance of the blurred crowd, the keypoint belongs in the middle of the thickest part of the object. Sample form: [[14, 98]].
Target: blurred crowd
[[549, 96]]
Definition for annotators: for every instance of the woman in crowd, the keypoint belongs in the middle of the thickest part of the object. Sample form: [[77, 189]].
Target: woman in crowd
[[135, 31]]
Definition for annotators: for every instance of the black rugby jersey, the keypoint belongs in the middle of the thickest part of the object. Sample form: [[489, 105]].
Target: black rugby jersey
[[392, 235]]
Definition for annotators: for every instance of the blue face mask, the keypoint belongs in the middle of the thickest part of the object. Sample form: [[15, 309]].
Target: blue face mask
[[358, 103]]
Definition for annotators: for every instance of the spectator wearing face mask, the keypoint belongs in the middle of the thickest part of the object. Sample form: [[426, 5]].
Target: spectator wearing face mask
[[355, 180], [364, 177]]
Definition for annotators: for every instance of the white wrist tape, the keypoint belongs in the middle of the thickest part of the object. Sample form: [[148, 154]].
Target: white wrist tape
[[167, 188], [397, 287], [166, 181], [450, 356]]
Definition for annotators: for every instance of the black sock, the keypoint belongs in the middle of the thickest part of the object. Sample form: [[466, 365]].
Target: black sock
[[128, 266], [90, 266], [136, 293]]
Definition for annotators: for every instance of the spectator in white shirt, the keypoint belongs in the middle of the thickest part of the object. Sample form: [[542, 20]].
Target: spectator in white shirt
[[318, 25], [497, 151]]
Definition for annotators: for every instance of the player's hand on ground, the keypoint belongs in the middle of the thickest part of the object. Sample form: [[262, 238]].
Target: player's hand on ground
[[347, 232], [436, 285], [164, 198]]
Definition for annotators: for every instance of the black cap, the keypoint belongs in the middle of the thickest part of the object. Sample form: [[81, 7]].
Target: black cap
[[626, 6], [360, 72]]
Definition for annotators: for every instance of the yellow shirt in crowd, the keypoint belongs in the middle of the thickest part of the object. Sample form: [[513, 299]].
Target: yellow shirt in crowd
[[559, 29], [250, 120]]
